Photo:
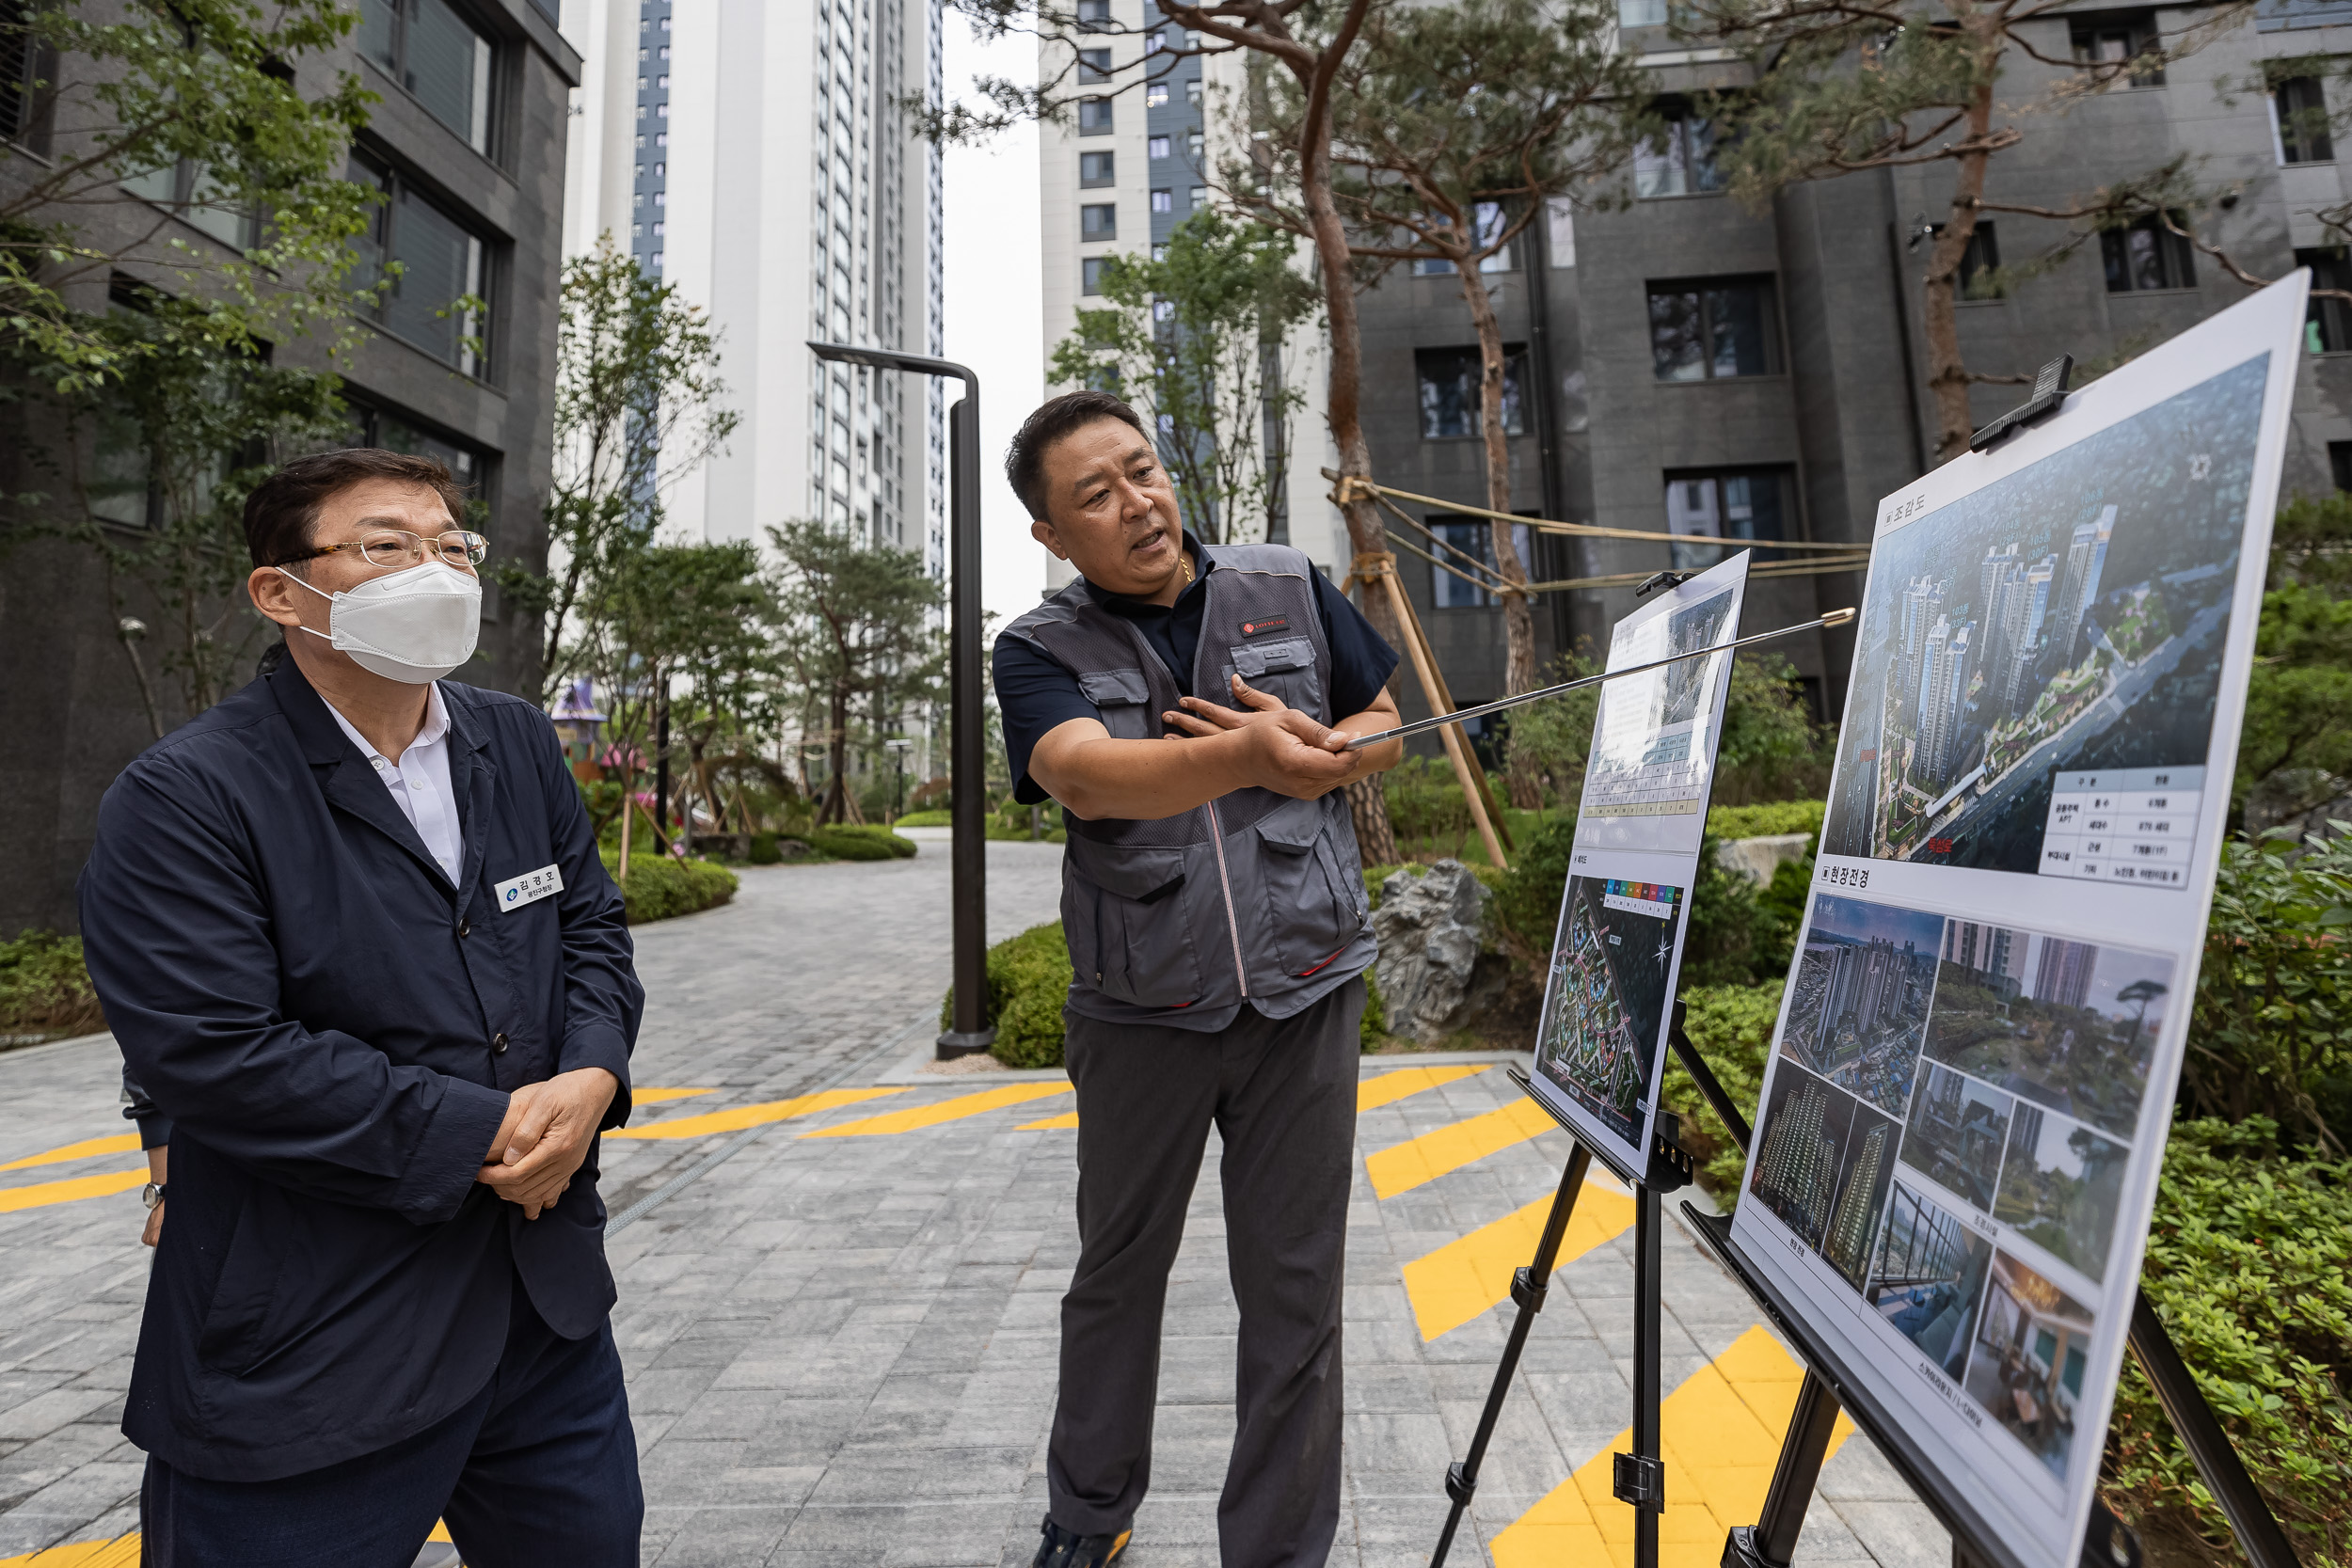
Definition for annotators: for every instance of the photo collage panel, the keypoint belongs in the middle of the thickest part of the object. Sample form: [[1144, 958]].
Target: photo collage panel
[[1605, 997], [1948, 1128]]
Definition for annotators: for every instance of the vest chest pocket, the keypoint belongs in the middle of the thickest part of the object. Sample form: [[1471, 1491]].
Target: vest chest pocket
[[1125, 919], [1314, 908], [1284, 669], [1125, 700]]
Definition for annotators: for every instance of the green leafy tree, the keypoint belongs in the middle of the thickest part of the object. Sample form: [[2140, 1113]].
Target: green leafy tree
[[1847, 86], [1452, 127], [199, 108], [158, 465], [860, 631], [1199, 338], [638, 405]]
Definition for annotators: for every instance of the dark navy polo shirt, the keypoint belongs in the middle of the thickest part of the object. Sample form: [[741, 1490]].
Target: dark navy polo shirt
[[1034, 694]]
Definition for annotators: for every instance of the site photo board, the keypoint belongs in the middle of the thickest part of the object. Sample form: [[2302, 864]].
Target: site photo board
[[1608, 989], [1964, 1110]]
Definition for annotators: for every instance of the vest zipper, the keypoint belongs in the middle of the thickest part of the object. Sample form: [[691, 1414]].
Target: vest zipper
[[1232, 927]]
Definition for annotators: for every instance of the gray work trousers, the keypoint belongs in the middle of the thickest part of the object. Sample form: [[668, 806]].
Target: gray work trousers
[[1281, 1094]]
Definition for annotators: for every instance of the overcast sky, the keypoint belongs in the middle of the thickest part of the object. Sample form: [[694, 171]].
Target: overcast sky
[[994, 320]]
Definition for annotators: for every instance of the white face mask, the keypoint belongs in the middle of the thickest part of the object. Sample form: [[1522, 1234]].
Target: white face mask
[[414, 626]]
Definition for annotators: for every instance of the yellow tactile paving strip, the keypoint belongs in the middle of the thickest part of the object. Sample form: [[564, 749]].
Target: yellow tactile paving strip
[[121, 1552], [43, 1193], [1463, 1278], [944, 1111], [1068, 1119], [1720, 1435], [1407, 1165], [118, 1142], [740, 1116]]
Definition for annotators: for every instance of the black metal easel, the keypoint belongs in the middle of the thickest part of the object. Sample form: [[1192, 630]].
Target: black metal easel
[[1640, 1477]]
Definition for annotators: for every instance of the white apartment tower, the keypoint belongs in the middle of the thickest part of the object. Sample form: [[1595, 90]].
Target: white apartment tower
[[1135, 163], [754, 154]]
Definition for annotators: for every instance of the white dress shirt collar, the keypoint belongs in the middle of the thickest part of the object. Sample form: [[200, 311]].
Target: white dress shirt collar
[[419, 781]]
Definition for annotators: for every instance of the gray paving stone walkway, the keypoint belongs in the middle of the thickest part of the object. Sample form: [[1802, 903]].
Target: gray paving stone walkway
[[841, 1350]]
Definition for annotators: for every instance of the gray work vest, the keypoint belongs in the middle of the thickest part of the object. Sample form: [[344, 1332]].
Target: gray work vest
[[1253, 897]]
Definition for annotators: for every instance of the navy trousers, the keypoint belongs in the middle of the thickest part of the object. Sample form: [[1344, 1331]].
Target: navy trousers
[[539, 1468]]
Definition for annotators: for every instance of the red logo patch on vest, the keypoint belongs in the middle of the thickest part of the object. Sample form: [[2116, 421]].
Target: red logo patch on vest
[[1271, 623]]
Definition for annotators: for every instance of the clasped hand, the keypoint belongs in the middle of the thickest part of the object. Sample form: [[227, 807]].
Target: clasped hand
[[545, 1137], [1294, 754]]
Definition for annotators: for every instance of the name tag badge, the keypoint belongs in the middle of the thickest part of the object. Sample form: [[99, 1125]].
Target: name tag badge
[[530, 887]]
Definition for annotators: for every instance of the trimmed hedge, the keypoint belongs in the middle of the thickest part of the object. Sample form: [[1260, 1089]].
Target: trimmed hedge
[[45, 989], [941, 818], [1770, 819], [659, 887], [901, 848], [1732, 1026], [1028, 979], [845, 845]]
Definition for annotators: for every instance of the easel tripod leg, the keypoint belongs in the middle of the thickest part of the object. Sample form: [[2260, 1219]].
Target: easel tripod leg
[[1772, 1540], [1527, 1289], [1647, 1481]]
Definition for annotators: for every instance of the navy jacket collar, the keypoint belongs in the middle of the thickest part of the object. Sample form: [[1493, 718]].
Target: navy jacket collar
[[350, 785]]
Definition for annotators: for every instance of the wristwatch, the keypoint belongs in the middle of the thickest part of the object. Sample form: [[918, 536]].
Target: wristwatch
[[152, 1196]]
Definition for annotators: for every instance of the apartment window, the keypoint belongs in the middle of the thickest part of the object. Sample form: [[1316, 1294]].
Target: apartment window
[[1193, 144], [1156, 147], [1980, 264], [197, 199], [2326, 323], [1712, 328], [1560, 226], [2340, 464], [373, 427], [1489, 218], [1095, 117], [2111, 40], [1192, 93], [1153, 42], [1099, 221], [1155, 95], [1641, 13], [1094, 65], [1159, 253], [441, 263], [2148, 255], [1473, 537], [1094, 15], [1163, 201], [2298, 108], [1197, 198], [1449, 390], [1745, 504], [1682, 162], [439, 56], [1096, 169], [24, 112]]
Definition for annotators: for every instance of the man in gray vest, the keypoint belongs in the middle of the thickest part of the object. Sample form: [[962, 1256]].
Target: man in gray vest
[[1188, 707]]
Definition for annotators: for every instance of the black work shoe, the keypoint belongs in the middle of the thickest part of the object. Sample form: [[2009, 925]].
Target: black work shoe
[[1061, 1549]]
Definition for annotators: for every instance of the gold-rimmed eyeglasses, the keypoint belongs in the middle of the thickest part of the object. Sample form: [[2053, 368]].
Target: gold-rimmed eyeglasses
[[399, 547]]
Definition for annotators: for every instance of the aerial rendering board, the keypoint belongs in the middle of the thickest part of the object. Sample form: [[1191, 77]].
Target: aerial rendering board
[[1607, 999], [1964, 1110]]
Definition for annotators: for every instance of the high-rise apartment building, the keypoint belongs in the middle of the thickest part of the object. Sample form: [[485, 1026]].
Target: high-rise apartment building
[[1847, 1246], [1135, 162], [755, 156], [2086, 559]]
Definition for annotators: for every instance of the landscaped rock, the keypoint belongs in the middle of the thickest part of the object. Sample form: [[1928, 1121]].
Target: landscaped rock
[[1429, 927], [1757, 858]]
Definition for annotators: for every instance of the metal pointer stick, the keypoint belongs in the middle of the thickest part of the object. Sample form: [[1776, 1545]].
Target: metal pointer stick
[[1834, 618]]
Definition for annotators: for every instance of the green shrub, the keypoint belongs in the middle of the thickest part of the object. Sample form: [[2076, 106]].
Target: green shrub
[[902, 847], [939, 818], [1375, 1029], [45, 989], [764, 850], [659, 887], [1527, 901], [2272, 1030], [1770, 818], [2250, 1264], [1425, 805], [843, 845], [1029, 980], [1732, 1026]]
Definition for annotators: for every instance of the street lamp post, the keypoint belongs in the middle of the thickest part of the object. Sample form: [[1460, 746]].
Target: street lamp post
[[898, 745], [967, 755]]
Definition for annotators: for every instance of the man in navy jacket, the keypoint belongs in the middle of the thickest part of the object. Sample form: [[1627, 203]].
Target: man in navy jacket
[[352, 936]]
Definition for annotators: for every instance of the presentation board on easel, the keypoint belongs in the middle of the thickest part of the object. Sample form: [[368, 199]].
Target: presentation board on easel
[[1964, 1111], [1617, 949]]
